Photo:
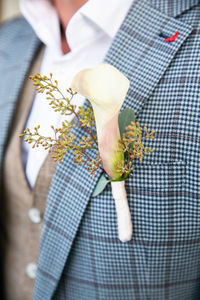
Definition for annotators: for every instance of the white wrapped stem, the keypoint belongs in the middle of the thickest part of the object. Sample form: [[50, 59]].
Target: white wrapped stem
[[125, 228]]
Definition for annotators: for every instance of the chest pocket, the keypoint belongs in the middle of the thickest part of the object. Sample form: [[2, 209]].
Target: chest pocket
[[156, 198]]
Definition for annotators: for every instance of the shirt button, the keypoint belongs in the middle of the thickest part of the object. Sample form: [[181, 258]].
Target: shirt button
[[31, 270], [34, 215]]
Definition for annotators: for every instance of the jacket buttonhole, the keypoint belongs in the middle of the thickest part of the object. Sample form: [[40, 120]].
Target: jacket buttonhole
[[162, 35]]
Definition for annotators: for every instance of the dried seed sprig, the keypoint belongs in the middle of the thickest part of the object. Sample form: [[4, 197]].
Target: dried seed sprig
[[132, 145], [64, 140]]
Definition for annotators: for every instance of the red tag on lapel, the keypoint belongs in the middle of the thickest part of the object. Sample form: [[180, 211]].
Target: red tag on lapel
[[172, 38]]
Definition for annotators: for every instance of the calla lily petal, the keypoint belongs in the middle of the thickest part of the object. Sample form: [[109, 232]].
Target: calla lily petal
[[106, 88]]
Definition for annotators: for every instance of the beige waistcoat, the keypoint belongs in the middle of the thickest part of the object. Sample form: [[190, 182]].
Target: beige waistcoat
[[23, 234]]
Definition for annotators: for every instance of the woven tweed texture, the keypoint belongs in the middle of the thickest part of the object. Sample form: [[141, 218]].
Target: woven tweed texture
[[80, 254]]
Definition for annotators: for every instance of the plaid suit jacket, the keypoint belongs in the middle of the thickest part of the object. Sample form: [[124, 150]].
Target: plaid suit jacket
[[80, 254]]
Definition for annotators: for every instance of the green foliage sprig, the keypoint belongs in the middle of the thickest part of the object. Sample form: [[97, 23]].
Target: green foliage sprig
[[64, 140]]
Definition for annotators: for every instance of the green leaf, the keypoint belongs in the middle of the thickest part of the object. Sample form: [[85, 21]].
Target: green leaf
[[101, 184], [125, 118]]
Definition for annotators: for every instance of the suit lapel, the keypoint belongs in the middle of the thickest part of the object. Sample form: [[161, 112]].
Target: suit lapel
[[140, 52], [15, 63], [142, 55]]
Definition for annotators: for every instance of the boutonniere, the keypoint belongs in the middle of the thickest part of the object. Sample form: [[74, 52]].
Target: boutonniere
[[119, 138]]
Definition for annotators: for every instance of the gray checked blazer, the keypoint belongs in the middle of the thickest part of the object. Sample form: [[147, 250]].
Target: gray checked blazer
[[80, 255]]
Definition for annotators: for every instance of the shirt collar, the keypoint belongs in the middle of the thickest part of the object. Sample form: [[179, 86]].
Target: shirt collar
[[108, 16], [43, 18], [94, 17]]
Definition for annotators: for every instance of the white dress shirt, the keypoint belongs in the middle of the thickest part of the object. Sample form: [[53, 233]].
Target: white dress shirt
[[89, 34]]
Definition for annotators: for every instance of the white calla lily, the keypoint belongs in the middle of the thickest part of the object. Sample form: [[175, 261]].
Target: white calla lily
[[106, 88]]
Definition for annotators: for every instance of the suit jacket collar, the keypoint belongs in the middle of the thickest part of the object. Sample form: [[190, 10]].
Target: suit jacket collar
[[149, 63]]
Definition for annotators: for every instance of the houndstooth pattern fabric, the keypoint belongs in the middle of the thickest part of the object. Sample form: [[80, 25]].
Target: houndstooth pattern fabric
[[80, 254]]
